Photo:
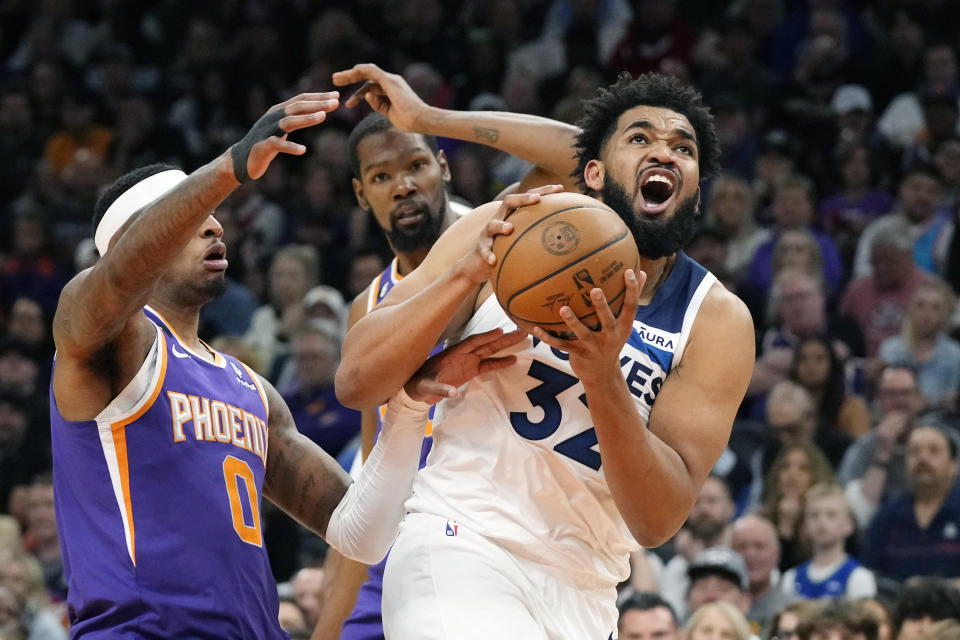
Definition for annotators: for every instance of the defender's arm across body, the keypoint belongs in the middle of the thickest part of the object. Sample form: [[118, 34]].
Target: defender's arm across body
[[655, 470], [546, 143], [387, 346]]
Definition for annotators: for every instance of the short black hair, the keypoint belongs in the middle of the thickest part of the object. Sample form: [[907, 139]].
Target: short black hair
[[649, 89], [121, 184], [645, 601], [375, 123], [922, 597]]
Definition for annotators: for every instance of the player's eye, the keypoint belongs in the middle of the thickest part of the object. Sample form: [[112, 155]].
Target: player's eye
[[687, 149], [417, 164], [380, 177], [638, 138]]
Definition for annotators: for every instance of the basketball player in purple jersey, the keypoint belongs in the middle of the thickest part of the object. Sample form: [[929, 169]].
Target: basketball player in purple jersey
[[552, 471], [402, 179], [164, 447]]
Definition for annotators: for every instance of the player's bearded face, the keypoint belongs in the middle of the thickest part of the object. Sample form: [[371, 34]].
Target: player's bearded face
[[655, 238], [416, 225]]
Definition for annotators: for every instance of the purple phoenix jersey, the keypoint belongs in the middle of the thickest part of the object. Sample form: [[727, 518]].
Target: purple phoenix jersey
[[365, 622], [158, 503]]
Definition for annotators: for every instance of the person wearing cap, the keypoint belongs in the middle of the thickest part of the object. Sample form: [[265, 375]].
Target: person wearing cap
[[161, 443], [918, 532], [718, 573]]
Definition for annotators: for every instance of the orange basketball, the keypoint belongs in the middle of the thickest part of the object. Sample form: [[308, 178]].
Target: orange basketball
[[560, 249]]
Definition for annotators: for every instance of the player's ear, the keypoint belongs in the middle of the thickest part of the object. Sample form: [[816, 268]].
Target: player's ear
[[699, 199], [593, 175], [444, 166], [358, 191]]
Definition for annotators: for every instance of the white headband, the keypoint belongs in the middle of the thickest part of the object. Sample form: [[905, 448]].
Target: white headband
[[133, 200]]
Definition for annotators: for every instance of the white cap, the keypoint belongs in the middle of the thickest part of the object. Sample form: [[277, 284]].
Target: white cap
[[850, 97], [133, 200]]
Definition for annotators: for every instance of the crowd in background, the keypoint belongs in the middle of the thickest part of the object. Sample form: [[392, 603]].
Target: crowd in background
[[834, 220]]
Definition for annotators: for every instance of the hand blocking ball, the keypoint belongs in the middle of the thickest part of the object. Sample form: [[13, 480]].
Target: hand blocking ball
[[560, 249]]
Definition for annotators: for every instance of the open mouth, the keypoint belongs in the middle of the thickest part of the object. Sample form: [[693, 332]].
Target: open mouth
[[657, 188], [215, 258]]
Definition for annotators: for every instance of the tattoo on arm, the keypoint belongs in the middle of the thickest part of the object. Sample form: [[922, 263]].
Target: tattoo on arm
[[300, 478], [486, 133]]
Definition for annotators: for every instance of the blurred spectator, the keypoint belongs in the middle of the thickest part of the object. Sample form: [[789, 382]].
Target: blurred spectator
[[718, 619], [817, 369], [142, 138], [24, 445], [41, 538], [793, 207], [470, 175], [776, 162], [903, 119], [860, 201], [797, 309], [293, 272], [306, 585], [718, 574], [323, 302], [657, 40], [737, 142], [784, 625], [20, 369], [838, 619], [878, 301], [924, 345], [10, 626], [21, 573], [916, 532], [646, 616], [20, 146], [708, 525], [755, 539], [873, 466], [827, 524], [731, 210], [941, 122], [919, 196], [79, 134], [708, 247], [308, 388], [31, 269], [29, 326], [368, 263], [921, 603], [946, 159], [797, 467]]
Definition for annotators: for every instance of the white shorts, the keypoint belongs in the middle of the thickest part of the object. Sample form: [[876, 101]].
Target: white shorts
[[443, 581]]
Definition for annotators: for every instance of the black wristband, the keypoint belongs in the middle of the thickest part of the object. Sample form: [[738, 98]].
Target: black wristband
[[268, 125]]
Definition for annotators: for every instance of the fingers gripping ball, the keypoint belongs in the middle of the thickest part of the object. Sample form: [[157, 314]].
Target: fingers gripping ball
[[268, 125], [560, 249]]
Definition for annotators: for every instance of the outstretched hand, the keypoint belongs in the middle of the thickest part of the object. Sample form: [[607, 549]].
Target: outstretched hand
[[268, 137], [442, 375], [387, 93], [592, 352]]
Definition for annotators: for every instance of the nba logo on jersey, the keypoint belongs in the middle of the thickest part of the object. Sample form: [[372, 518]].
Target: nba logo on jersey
[[452, 528]]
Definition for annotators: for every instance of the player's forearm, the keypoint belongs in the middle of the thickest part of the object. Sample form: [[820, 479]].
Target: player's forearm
[[387, 346], [649, 481], [541, 141]]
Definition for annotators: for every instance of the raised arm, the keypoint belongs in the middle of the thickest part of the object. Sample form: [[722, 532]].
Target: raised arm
[[386, 347], [655, 469], [546, 143], [97, 304]]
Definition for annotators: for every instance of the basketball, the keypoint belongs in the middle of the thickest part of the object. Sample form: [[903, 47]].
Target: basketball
[[560, 249]]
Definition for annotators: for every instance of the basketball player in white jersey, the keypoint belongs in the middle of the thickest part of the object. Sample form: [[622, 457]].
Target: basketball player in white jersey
[[544, 476]]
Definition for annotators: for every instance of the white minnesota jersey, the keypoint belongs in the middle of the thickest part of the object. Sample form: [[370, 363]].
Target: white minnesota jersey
[[515, 456]]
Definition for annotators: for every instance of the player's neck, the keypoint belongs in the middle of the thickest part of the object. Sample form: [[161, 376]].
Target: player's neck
[[407, 261], [184, 323], [657, 273]]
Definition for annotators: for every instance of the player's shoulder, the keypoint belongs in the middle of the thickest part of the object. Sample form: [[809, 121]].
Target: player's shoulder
[[360, 305], [723, 322]]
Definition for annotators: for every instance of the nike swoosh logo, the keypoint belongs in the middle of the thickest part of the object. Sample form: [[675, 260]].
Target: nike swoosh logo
[[178, 354]]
